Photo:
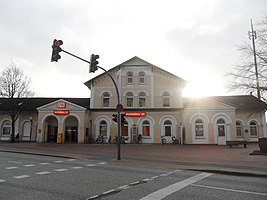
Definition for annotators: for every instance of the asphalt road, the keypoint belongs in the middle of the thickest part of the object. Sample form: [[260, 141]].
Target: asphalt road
[[31, 177]]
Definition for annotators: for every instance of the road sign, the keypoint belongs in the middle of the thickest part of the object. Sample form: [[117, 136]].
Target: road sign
[[119, 107], [135, 114]]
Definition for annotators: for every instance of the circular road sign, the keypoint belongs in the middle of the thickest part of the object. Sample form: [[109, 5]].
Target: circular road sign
[[119, 107]]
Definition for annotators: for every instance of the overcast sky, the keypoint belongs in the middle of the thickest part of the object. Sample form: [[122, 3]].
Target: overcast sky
[[196, 40]]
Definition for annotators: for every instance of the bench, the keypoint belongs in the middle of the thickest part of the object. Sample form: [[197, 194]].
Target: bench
[[237, 142]]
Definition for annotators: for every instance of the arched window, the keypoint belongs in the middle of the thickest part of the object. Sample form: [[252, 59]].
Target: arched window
[[141, 77], [142, 99], [103, 128], [146, 128], [27, 129], [168, 128], [6, 128], [130, 78], [105, 99], [166, 99], [239, 129], [199, 128], [221, 127], [129, 99], [253, 129], [125, 130]]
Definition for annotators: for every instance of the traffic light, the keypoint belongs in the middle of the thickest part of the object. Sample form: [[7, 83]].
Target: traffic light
[[123, 120], [115, 118], [93, 63], [56, 49]]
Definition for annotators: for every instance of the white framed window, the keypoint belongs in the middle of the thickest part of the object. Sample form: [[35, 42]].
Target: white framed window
[[239, 129], [129, 99], [146, 128], [130, 78], [199, 128], [167, 128], [166, 99], [105, 99], [253, 129], [6, 128], [103, 128], [142, 99], [141, 77], [221, 127]]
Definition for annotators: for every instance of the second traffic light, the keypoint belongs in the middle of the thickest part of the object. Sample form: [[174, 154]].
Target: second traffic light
[[56, 49], [115, 118], [93, 63]]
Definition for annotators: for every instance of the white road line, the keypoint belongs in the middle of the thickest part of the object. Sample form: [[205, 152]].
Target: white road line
[[230, 190], [162, 193], [91, 165], [154, 177], [2, 180], [60, 170], [102, 163], [42, 173], [11, 167], [45, 163], [107, 192], [71, 159], [58, 161], [21, 176], [29, 165], [78, 167], [15, 162]]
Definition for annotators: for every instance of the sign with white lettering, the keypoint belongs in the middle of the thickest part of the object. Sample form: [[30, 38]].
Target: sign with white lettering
[[135, 114], [61, 112]]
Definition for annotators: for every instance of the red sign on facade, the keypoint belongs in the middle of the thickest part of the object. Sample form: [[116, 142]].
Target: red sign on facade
[[135, 114], [61, 112]]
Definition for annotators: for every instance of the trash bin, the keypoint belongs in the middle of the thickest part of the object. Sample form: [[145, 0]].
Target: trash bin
[[59, 138], [263, 144]]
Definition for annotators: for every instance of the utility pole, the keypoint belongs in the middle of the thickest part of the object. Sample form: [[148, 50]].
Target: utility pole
[[253, 35]]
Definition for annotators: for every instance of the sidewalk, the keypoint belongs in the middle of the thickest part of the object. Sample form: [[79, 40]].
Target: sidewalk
[[221, 159]]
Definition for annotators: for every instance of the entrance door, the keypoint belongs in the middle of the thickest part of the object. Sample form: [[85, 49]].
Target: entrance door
[[221, 134], [71, 134], [52, 133]]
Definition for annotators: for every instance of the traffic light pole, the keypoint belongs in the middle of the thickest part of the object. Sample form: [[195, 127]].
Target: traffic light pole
[[118, 97]]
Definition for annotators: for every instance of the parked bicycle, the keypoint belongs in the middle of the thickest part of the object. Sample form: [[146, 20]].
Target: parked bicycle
[[175, 141], [122, 141], [163, 139], [100, 139], [91, 139], [139, 139]]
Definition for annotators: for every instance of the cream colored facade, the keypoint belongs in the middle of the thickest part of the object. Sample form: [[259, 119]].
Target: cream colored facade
[[147, 89]]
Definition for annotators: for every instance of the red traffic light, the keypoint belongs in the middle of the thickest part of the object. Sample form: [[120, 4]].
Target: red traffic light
[[58, 43]]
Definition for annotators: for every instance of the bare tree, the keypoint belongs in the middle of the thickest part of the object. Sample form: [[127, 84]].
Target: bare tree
[[14, 85], [243, 76]]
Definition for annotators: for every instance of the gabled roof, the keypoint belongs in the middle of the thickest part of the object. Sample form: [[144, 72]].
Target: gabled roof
[[240, 102], [136, 61], [31, 104]]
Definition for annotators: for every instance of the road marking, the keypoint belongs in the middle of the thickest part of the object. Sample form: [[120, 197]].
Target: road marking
[[21, 176], [78, 167], [71, 159], [231, 190], [42, 173], [107, 192], [15, 162], [91, 165], [58, 161], [60, 170], [102, 163], [162, 193], [45, 163], [11, 167], [29, 165], [2, 180]]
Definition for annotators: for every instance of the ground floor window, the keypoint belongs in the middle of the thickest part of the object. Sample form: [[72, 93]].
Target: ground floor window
[[124, 132], [6, 128], [103, 128], [199, 128], [221, 127], [146, 128], [238, 129], [253, 129], [168, 128]]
